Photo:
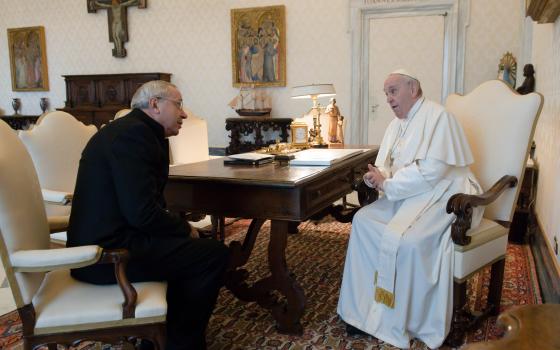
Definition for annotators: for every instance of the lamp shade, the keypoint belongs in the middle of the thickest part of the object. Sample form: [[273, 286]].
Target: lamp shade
[[316, 90]]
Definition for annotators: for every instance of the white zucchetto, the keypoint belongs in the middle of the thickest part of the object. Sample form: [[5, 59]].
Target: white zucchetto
[[405, 72]]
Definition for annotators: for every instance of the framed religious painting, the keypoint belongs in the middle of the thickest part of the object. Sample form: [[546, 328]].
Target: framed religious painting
[[28, 59], [258, 46]]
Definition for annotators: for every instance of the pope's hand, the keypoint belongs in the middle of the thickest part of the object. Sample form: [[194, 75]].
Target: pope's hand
[[374, 178]]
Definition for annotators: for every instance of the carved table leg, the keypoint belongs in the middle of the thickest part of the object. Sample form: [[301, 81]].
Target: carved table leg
[[287, 314]]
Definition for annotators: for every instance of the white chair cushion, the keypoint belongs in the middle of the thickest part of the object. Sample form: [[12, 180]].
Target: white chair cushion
[[64, 303], [488, 243]]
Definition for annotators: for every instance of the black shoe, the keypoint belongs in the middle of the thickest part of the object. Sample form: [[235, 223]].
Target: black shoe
[[351, 330]]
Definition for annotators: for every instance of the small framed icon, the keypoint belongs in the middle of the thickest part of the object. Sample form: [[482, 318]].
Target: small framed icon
[[299, 132]]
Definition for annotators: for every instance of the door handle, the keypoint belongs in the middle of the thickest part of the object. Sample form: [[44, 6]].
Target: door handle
[[374, 107]]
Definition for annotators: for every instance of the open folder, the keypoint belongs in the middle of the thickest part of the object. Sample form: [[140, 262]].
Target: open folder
[[250, 158]]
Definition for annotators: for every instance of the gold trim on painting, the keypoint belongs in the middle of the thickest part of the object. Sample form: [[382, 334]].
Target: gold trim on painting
[[28, 59], [258, 46]]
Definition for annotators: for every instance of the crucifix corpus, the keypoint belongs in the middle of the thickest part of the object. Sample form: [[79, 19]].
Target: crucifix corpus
[[118, 28]]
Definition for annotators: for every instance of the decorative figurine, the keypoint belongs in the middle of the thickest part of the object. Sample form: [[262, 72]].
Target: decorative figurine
[[340, 129], [44, 104], [528, 85], [16, 104], [334, 119]]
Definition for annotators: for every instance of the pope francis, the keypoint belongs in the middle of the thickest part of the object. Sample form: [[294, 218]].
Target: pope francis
[[398, 276]]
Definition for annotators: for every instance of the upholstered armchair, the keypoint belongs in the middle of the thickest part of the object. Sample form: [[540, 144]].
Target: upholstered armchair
[[55, 145], [191, 145], [54, 307], [499, 124]]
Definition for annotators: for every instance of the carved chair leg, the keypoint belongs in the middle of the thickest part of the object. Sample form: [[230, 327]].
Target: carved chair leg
[[460, 318], [159, 338], [495, 288]]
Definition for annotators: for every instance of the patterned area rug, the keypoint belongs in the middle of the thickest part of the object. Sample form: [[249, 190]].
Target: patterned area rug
[[316, 256]]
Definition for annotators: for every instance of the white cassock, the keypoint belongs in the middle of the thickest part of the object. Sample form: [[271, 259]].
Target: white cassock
[[398, 276]]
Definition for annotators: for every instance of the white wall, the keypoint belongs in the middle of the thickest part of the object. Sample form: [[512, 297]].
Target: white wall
[[188, 38], [494, 28], [546, 60], [191, 39]]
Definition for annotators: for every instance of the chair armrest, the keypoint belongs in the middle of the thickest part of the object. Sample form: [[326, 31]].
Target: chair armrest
[[462, 205], [58, 223], [44, 260], [120, 258], [57, 197]]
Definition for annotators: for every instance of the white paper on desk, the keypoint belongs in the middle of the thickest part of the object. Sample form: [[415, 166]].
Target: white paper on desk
[[250, 156], [323, 156]]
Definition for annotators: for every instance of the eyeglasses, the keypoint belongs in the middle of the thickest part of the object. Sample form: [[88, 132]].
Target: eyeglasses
[[178, 104]]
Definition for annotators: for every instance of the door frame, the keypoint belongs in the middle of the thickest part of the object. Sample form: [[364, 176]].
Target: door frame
[[456, 12]]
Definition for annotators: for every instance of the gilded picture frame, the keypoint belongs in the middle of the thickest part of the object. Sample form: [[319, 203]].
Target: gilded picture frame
[[258, 46], [28, 59]]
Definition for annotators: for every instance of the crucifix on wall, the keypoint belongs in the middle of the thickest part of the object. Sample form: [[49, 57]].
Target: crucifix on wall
[[116, 14]]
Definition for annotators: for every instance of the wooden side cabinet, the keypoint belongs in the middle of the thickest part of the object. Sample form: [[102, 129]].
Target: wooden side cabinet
[[20, 122], [525, 202], [254, 126], [95, 98]]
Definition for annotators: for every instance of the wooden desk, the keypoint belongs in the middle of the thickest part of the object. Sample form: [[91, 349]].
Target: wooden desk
[[272, 191], [250, 125]]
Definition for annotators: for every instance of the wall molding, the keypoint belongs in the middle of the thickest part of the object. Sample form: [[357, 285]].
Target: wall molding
[[548, 268], [362, 11]]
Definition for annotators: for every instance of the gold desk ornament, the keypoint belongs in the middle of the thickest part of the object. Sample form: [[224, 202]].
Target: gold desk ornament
[[299, 132]]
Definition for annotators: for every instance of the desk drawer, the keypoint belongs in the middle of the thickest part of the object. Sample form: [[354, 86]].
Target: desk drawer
[[322, 194]]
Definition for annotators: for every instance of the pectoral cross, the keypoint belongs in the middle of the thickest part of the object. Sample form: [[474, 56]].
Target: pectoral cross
[[118, 28]]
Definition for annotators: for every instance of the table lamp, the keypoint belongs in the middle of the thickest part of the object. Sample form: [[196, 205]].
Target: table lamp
[[313, 92]]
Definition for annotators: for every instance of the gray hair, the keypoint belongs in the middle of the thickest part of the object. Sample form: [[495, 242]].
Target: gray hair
[[149, 90]]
